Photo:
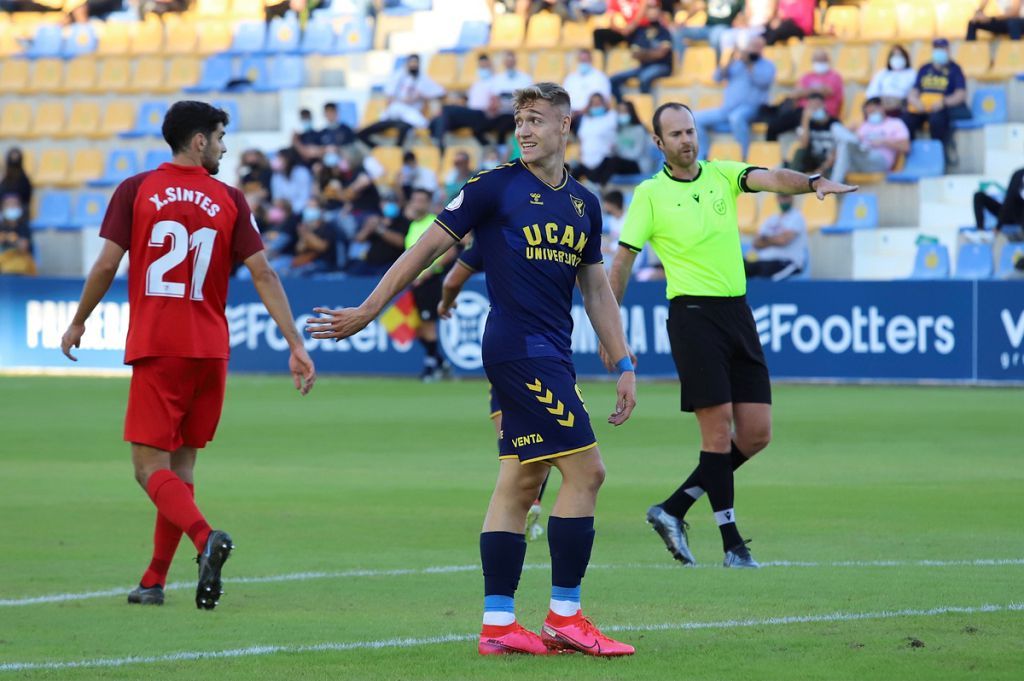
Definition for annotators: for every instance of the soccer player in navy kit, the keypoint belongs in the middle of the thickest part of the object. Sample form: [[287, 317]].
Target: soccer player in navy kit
[[540, 232]]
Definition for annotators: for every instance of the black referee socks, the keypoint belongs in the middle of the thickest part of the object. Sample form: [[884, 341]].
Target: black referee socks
[[716, 479]]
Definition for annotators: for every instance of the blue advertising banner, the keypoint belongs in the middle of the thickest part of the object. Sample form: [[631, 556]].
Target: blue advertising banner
[[945, 330]]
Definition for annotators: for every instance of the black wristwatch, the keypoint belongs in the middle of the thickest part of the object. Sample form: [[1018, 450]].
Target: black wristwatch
[[811, 179]]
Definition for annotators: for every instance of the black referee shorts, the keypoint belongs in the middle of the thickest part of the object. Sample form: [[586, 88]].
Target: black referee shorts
[[427, 296], [717, 352]]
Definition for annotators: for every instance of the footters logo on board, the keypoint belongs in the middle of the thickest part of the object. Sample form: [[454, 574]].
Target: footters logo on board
[[462, 335], [782, 325]]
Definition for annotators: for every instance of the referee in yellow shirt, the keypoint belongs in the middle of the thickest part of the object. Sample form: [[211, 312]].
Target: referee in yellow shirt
[[687, 212]]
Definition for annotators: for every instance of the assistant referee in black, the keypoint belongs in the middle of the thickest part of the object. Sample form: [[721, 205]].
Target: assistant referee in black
[[688, 213]]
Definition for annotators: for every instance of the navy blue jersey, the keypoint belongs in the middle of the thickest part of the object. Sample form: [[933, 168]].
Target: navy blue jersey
[[472, 258], [534, 238]]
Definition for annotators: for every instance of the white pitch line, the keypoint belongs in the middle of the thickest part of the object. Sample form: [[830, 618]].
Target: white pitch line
[[452, 569], [254, 651]]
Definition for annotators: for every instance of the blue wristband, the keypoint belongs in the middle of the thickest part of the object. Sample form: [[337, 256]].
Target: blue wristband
[[625, 364]]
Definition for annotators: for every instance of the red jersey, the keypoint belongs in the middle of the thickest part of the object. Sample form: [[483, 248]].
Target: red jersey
[[184, 231]]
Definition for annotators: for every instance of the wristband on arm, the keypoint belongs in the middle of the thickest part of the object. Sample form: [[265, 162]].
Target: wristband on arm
[[625, 364]]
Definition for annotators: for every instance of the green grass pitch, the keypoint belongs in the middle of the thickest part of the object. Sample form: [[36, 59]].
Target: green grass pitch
[[366, 499]]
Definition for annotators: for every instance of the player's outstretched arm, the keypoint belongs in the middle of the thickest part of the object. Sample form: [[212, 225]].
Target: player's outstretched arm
[[96, 286], [603, 311], [268, 286], [784, 181], [344, 322], [622, 266], [454, 281]]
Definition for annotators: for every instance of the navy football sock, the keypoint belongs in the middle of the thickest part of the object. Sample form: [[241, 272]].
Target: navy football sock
[[502, 555], [570, 541]]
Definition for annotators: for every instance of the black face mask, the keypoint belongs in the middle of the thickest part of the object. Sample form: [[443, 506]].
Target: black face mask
[[753, 56], [414, 72]]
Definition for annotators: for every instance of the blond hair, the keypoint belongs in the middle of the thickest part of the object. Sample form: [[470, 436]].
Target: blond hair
[[554, 93]]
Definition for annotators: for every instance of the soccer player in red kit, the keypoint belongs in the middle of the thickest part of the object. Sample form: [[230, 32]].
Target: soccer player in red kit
[[185, 230]]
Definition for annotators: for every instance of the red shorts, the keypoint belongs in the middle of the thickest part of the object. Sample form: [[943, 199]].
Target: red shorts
[[175, 401]]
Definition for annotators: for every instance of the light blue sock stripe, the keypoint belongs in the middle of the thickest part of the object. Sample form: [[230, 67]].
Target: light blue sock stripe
[[499, 604], [564, 593]]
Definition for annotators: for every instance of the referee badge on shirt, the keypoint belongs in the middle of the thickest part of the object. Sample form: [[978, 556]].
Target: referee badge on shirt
[[577, 204], [719, 206]]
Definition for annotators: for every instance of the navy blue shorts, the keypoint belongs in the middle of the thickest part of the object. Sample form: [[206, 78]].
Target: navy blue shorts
[[542, 411], [495, 407]]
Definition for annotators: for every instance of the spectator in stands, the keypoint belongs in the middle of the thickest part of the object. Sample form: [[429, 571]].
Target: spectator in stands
[[752, 22], [585, 81], [328, 179], [413, 176], [823, 80], [596, 134], [15, 180], [1009, 211], [94, 9], [358, 186], [459, 174], [721, 15], [792, 19], [780, 248], [629, 153], [379, 243], [336, 132], [815, 148], [279, 8], [879, 141], [505, 84], [490, 159], [291, 180], [650, 45], [1009, 22], [563, 8], [161, 7], [254, 173], [15, 238], [473, 111], [408, 92], [626, 16], [279, 232], [613, 215], [748, 81], [316, 247], [939, 97], [893, 83]]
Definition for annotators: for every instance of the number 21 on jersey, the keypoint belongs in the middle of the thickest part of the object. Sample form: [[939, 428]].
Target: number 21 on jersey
[[201, 242]]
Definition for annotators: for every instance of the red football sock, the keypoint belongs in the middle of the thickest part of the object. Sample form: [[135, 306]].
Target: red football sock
[[166, 537], [174, 501]]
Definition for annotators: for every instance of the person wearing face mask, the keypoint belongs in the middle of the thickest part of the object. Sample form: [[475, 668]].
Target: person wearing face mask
[[629, 152], [651, 47], [15, 180], [290, 180], [780, 248], [823, 80], [471, 110], [893, 83], [939, 97], [1009, 21], [585, 81], [15, 238], [254, 173], [815, 148], [597, 137], [879, 141], [408, 91], [748, 81], [316, 247], [380, 241]]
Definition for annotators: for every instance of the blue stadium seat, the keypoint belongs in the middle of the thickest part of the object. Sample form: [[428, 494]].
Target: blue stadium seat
[[231, 108], [121, 164], [974, 261], [250, 38], [149, 121], [1008, 259], [254, 69], [931, 262], [348, 113], [154, 157], [473, 34], [283, 35], [54, 211], [318, 38], [81, 39], [857, 211], [215, 76], [925, 159], [988, 106], [89, 209], [286, 71], [355, 36], [47, 42]]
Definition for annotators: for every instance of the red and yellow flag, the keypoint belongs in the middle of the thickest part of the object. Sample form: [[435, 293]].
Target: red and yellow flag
[[402, 319]]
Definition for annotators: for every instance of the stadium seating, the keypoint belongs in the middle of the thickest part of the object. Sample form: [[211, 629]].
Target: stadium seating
[[80, 39], [507, 32], [14, 76], [355, 36], [1008, 61], [215, 75], [878, 22], [931, 262], [88, 209], [550, 67], [48, 120], [843, 21], [925, 159], [974, 261], [543, 31], [47, 76], [114, 75], [147, 38], [974, 58], [149, 120], [474, 34], [915, 21], [15, 119], [118, 117], [52, 168], [79, 75], [54, 211], [988, 106], [83, 119], [765, 154], [231, 108], [746, 213], [858, 211], [182, 72], [283, 36], [182, 38], [250, 38], [318, 38], [114, 39], [817, 213], [154, 157], [47, 42], [86, 165], [150, 75], [120, 165], [1008, 258]]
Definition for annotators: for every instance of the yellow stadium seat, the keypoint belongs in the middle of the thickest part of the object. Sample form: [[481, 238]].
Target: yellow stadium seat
[[843, 21], [83, 120], [708, 100], [644, 105], [915, 21], [247, 9], [150, 75], [448, 161], [951, 18], [14, 76], [725, 150], [147, 37], [620, 59], [467, 74], [390, 158], [114, 38], [698, 66], [182, 72], [877, 22], [550, 67], [86, 164], [374, 108], [764, 154], [507, 32], [854, 63], [214, 36], [1009, 60], [544, 30], [572, 153], [576, 35], [783, 60], [118, 117], [817, 213], [212, 9], [15, 119], [79, 75], [386, 24], [115, 75], [746, 213], [52, 168], [49, 119], [854, 106], [181, 38], [428, 156], [47, 76], [443, 68], [9, 45], [975, 58]]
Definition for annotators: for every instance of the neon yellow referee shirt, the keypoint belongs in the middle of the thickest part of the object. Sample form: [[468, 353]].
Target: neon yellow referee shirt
[[692, 226]]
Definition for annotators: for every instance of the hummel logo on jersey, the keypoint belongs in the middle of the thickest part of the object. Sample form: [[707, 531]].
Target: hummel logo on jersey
[[535, 200], [696, 197]]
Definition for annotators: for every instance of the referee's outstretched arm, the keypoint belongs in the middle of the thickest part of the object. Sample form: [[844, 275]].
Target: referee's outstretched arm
[[783, 181]]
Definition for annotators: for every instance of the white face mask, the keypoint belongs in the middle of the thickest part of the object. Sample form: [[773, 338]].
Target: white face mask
[[897, 62], [876, 117], [821, 67]]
